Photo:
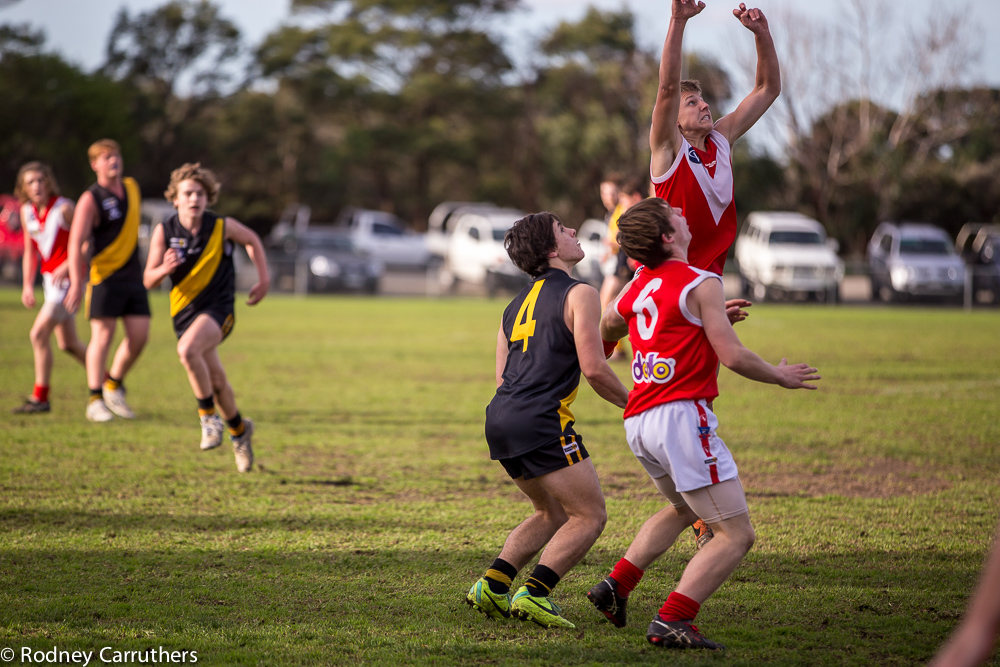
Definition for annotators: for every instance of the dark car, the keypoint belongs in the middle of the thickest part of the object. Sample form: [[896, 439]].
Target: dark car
[[320, 260], [979, 245]]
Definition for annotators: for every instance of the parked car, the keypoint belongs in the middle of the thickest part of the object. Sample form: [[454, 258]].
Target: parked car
[[385, 238], [787, 254], [476, 254], [591, 237], [979, 246], [440, 223], [320, 259], [914, 260]]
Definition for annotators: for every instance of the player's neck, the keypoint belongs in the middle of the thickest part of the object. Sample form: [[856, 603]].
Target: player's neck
[[189, 222], [562, 265], [698, 139], [113, 184]]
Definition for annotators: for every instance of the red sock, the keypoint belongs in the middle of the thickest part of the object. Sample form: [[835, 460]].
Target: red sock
[[41, 393], [679, 607], [627, 577]]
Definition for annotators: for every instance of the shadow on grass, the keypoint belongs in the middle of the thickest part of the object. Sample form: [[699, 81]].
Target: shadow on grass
[[385, 605]]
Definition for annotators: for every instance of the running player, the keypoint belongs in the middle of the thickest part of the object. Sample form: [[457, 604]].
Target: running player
[[691, 162], [194, 248], [675, 315], [548, 335], [45, 217], [107, 215]]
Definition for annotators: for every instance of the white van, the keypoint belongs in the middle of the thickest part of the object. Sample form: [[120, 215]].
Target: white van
[[782, 253]]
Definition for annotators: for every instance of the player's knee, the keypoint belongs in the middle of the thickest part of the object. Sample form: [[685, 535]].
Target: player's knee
[[186, 353], [38, 336]]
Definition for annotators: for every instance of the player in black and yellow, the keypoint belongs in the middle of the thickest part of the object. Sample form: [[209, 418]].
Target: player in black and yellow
[[548, 336], [107, 217], [194, 248]]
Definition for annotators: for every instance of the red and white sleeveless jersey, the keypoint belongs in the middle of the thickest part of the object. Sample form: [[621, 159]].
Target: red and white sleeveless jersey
[[700, 183], [672, 358], [49, 233]]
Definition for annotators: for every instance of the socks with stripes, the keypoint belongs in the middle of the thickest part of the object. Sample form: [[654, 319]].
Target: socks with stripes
[[500, 576], [542, 581]]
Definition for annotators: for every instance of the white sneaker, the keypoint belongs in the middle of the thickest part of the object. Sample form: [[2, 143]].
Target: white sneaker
[[242, 448], [212, 429], [115, 400], [97, 411]]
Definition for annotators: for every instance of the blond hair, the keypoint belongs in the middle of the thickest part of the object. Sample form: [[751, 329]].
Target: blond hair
[[193, 171], [46, 172]]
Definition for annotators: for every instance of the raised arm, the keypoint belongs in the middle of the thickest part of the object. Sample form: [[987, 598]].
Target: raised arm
[[239, 233], [707, 301], [767, 84], [583, 316], [664, 136], [79, 234]]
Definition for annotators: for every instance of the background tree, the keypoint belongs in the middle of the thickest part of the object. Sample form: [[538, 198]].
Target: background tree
[[183, 43]]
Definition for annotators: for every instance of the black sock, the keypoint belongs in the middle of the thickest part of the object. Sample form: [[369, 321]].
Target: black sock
[[235, 425], [500, 575], [96, 394], [542, 581]]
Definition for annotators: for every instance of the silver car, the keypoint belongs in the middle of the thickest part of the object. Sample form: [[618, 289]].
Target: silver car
[[914, 260]]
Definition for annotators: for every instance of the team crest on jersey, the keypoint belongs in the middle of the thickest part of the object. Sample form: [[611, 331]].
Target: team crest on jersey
[[652, 368], [111, 206], [693, 155]]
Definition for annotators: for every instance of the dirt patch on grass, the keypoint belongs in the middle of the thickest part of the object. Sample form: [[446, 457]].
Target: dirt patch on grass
[[877, 478]]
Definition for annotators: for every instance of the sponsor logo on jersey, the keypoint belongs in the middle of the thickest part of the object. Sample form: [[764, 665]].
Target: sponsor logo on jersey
[[711, 165], [711, 461], [111, 206], [652, 368], [570, 448], [180, 247], [693, 155]]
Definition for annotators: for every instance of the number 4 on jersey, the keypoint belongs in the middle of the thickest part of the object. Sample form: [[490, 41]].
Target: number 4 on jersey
[[524, 323]]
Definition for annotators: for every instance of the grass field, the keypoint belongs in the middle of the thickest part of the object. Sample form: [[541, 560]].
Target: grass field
[[375, 506]]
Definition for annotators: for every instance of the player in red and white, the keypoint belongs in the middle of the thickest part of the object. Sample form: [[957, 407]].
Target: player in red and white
[[45, 217], [676, 319], [691, 165], [691, 162]]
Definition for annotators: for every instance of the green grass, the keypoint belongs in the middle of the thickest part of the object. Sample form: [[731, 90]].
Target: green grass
[[375, 505]]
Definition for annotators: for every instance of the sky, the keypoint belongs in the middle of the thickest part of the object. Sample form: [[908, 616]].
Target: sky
[[78, 29]]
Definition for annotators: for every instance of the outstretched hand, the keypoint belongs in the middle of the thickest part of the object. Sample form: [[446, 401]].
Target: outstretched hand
[[796, 376], [735, 312], [752, 19], [685, 9]]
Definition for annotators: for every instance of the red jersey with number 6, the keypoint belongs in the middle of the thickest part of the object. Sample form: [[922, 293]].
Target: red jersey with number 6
[[672, 358], [700, 183]]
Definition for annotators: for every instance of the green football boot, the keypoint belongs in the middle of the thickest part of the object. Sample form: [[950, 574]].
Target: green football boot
[[542, 611], [494, 605]]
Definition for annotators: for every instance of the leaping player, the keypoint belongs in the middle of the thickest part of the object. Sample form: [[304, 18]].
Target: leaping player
[[691, 164]]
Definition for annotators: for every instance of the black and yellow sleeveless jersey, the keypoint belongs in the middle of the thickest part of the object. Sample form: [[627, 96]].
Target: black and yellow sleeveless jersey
[[115, 251], [531, 408], [206, 280]]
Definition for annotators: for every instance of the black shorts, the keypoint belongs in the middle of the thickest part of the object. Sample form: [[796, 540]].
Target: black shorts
[[117, 299], [550, 458], [225, 320]]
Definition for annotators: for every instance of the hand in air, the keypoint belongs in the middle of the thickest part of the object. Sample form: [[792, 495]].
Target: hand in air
[[796, 376], [752, 19], [685, 9]]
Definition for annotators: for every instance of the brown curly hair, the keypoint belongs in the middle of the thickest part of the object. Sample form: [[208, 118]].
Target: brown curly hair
[[193, 171]]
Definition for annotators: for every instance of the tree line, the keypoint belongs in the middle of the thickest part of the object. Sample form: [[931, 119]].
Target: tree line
[[399, 106]]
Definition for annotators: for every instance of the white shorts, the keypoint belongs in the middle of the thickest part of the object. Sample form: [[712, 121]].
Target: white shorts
[[54, 295], [678, 439]]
